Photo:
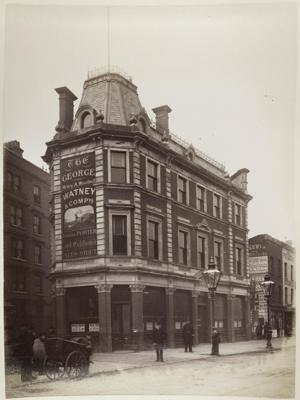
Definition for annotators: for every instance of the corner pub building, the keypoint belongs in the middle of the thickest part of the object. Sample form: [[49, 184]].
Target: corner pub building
[[136, 214]]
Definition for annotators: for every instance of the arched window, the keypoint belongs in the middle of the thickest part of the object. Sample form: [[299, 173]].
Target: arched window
[[86, 120]]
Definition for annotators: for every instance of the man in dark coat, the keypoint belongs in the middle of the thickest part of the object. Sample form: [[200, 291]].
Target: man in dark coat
[[159, 338], [188, 333], [25, 352], [215, 343]]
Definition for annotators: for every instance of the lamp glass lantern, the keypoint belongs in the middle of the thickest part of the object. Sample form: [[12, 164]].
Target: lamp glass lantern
[[212, 275], [267, 286]]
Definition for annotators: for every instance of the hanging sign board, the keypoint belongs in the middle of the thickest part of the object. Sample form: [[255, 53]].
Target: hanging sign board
[[77, 176]]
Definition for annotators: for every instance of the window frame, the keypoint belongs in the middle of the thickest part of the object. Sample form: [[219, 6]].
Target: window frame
[[188, 244], [38, 260], [221, 242], [203, 236], [13, 216], [201, 187], [158, 178], [237, 249], [37, 231], [17, 277], [109, 161], [187, 199], [37, 198], [16, 249], [120, 212], [157, 221], [218, 196], [238, 214]]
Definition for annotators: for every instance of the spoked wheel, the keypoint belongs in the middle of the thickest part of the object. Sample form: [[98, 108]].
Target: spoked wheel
[[76, 365], [53, 369]]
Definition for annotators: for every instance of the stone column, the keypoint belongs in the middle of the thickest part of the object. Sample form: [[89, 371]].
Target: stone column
[[170, 317], [137, 316], [60, 311], [247, 317], [230, 328], [195, 295], [104, 311]]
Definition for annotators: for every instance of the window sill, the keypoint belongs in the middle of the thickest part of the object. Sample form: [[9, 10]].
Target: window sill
[[19, 259]]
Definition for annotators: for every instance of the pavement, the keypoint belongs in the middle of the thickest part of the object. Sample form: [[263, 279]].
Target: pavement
[[118, 361]]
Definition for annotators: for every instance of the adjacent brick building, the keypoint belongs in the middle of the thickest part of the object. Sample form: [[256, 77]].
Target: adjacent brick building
[[269, 255], [26, 241], [137, 212]]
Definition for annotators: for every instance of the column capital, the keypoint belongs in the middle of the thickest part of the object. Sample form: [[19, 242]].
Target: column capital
[[195, 293], [137, 287], [60, 291], [231, 296], [103, 288], [170, 291]]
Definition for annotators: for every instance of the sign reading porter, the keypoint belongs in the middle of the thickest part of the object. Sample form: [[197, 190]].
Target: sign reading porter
[[78, 206]]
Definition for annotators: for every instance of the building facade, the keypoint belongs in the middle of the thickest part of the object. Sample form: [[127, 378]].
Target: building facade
[[269, 255], [26, 241], [137, 213]]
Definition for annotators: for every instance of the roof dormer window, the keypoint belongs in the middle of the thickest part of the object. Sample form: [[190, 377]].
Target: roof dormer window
[[86, 120]]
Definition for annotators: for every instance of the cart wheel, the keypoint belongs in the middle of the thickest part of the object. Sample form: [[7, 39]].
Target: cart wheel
[[53, 369], [76, 365]]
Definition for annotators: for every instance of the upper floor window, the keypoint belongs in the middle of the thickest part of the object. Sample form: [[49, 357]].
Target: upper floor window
[[237, 214], [279, 293], [153, 181], [285, 295], [292, 273], [153, 241], [292, 296], [37, 224], [183, 248], [16, 216], [285, 271], [14, 182], [18, 249], [18, 282], [86, 120], [38, 284], [118, 167], [36, 194], [119, 223], [217, 206], [218, 253], [202, 251], [271, 265], [182, 190], [37, 254], [238, 260], [201, 198]]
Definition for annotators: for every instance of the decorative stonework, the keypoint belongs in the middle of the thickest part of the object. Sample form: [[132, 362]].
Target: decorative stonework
[[169, 232], [60, 291], [103, 288], [170, 291], [137, 224], [195, 293], [137, 287]]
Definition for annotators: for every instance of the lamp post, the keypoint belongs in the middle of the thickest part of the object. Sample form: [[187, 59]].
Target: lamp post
[[267, 286], [212, 277]]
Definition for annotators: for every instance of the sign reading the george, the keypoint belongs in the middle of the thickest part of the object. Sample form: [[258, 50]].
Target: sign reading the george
[[78, 206]]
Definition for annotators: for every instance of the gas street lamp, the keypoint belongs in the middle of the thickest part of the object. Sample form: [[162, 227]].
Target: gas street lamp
[[267, 286], [212, 277]]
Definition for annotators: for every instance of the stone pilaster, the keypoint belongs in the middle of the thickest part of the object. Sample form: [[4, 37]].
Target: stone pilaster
[[195, 295], [170, 317], [104, 311], [230, 316], [246, 244], [230, 236], [137, 315], [60, 311], [169, 216], [58, 227], [137, 224], [100, 220]]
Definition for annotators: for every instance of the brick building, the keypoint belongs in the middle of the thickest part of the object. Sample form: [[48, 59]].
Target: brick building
[[26, 241], [137, 213], [269, 255]]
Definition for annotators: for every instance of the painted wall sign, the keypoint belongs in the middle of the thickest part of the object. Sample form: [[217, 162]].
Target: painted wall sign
[[78, 206], [258, 264]]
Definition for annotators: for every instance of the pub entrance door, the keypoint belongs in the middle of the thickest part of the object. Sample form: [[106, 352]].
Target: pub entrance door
[[121, 332]]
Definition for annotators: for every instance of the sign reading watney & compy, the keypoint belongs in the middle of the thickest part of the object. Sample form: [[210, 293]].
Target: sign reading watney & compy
[[78, 206]]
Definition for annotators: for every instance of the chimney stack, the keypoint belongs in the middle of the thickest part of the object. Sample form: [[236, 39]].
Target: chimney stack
[[66, 99], [162, 118], [14, 146]]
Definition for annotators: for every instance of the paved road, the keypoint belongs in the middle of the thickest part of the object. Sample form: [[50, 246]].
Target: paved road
[[257, 375]]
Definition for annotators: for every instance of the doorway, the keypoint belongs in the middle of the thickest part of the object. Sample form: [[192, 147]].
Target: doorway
[[121, 333]]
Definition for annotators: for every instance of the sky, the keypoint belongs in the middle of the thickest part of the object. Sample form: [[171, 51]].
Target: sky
[[228, 72]]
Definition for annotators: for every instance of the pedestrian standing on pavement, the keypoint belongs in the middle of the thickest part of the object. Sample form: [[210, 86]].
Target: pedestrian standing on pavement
[[159, 338], [188, 333], [39, 353], [25, 352], [215, 343]]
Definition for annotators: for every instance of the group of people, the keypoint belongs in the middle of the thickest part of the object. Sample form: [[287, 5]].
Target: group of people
[[30, 350], [159, 338]]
